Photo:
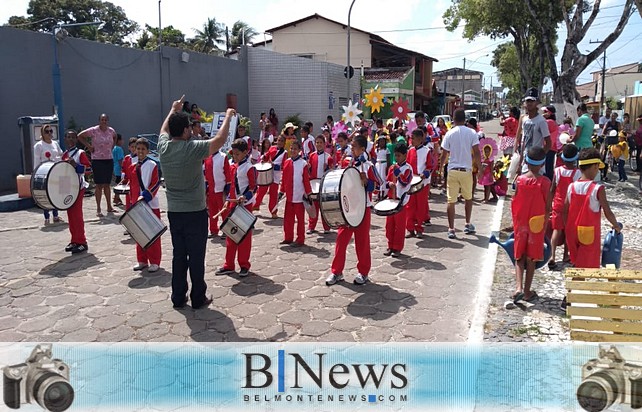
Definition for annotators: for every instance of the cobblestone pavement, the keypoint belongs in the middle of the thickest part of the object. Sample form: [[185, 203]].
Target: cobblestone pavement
[[429, 294], [545, 321]]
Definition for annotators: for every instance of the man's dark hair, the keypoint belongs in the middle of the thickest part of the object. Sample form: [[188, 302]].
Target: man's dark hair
[[295, 143], [132, 140], [536, 153], [342, 135], [178, 121], [582, 107], [514, 111], [420, 114], [363, 131], [360, 141], [570, 150], [588, 153], [119, 137], [330, 118], [473, 122], [401, 148], [418, 133], [309, 124], [459, 116], [423, 129], [379, 122], [393, 136], [240, 145], [306, 129], [142, 141]]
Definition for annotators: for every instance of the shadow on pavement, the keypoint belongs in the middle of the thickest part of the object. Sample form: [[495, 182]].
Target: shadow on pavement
[[377, 302], [70, 264], [437, 243], [210, 325], [306, 249], [56, 227], [161, 278], [256, 285], [476, 240], [415, 263]]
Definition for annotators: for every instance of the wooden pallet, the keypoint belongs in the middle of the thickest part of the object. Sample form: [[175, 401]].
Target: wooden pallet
[[605, 304]]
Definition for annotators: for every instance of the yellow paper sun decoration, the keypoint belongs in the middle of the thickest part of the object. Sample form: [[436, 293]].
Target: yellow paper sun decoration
[[374, 99]]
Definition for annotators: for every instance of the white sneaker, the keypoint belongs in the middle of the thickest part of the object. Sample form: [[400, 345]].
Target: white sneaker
[[360, 279], [140, 266], [332, 279], [153, 268], [469, 229]]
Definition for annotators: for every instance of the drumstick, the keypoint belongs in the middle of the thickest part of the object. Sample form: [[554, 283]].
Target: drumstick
[[278, 202], [216, 216]]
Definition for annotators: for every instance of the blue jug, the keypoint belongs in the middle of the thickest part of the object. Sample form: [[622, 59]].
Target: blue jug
[[612, 248]]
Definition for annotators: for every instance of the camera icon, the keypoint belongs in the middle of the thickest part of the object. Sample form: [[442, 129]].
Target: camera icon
[[609, 379], [40, 380]]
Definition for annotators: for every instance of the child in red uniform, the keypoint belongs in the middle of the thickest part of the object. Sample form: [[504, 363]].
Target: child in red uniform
[[275, 155], [530, 209], [343, 151], [308, 142], [144, 186], [420, 160], [128, 161], [241, 195], [362, 232], [295, 184], [78, 159], [563, 176], [320, 162], [584, 200], [399, 178], [218, 178]]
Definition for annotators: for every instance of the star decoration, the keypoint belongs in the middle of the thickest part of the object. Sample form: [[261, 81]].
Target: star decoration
[[374, 99], [400, 109], [351, 113]]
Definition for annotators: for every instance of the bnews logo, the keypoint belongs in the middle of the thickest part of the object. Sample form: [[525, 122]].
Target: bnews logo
[[317, 372]]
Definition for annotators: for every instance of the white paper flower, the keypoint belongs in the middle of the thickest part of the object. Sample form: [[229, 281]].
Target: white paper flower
[[351, 112]]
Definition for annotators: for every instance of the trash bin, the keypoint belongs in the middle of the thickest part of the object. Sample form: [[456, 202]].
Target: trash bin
[[30, 133]]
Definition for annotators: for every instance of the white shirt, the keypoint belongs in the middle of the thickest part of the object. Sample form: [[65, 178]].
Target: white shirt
[[459, 141], [218, 171], [40, 150]]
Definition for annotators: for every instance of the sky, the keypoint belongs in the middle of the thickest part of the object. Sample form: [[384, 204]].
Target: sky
[[412, 24]]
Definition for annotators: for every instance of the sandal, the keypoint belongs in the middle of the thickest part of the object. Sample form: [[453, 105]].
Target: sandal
[[99, 214], [534, 296], [552, 265], [516, 297]]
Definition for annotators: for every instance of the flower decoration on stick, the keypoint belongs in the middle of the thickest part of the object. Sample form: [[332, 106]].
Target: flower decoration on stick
[[338, 128], [488, 142], [374, 99], [412, 125], [400, 109], [351, 113]]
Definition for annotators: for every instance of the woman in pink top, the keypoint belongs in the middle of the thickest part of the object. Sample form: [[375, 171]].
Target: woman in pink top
[[103, 139]]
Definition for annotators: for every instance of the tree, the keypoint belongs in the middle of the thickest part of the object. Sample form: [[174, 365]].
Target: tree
[[573, 62], [43, 15], [208, 39], [172, 37], [242, 33], [505, 59]]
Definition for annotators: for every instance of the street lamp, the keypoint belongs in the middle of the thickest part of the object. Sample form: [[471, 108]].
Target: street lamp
[[58, 34]]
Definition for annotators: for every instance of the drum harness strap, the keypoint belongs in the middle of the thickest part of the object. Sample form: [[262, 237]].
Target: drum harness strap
[[236, 180]]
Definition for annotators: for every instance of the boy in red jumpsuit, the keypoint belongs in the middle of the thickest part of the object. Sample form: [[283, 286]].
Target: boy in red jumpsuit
[[78, 159], [399, 178], [420, 159], [530, 209], [295, 184], [320, 162], [218, 177]]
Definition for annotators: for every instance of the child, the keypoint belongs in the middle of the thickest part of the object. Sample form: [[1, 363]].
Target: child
[[308, 142], [399, 178], [620, 154], [275, 155], [343, 154], [362, 232], [562, 178], [144, 186], [255, 156], [530, 209], [486, 176], [241, 195], [266, 135], [500, 187], [128, 161], [295, 184], [584, 200], [320, 162], [78, 159], [381, 156], [118, 155], [218, 178], [330, 147], [420, 160], [45, 150]]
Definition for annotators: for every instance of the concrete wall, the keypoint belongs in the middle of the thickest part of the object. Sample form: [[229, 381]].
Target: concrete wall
[[327, 41], [292, 85], [96, 78]]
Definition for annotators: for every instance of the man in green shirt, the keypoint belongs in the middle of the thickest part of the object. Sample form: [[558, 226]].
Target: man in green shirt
[[181, 160], [583, 129]]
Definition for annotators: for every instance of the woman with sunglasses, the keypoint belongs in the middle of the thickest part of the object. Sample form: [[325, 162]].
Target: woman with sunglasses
[[47, 150]]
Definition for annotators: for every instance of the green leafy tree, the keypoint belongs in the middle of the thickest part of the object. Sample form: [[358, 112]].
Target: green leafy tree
[[209, 37], [172, 37], [242, 33]]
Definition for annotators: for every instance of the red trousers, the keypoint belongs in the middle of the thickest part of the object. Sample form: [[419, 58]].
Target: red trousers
[[396, 230], [312, 223], [215, 203], [273, 191], [243, 249], [361, 245], [76, 220], [427, 189], [260, 193], [292, 211], [153, 253], [416, 211]]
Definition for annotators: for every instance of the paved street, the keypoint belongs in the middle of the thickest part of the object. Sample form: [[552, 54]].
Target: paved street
[[430, 294]]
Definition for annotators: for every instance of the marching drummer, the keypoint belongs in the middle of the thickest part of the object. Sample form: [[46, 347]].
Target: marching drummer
[[276, 155], [77, 158], [47, 150], [128, 161], [320, 162], [399, 178], [296, 186], [420, 160], [218, 178]]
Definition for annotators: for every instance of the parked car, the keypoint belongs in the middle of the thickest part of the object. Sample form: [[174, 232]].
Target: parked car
[[472, 114]]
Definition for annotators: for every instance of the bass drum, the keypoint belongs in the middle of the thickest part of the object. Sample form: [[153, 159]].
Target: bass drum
[[55, 185], [342, 198]]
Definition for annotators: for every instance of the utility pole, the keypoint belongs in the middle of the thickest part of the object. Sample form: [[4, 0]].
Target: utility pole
[[348, 65], [463, 84], [602, 97]]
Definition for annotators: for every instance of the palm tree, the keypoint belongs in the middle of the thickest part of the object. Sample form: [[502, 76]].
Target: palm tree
[[208, 39], [242, 33]]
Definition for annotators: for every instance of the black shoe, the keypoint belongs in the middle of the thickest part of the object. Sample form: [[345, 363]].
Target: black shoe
[[427, 223], [205, 303], [70, 247], [224, 271], [396, 254], [419, 235], [79, 249], [180, 305], [388, 252], [244, 272], [410, 234], [564, 304]]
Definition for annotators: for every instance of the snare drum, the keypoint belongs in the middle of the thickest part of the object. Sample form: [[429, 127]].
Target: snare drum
[[265, 174], [121, 189], [342, 198], [238, 224], [315, 184], [387, 207], [142, 224], [416, 185], [55, 185]]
